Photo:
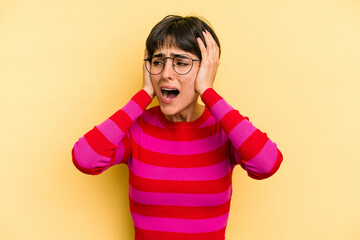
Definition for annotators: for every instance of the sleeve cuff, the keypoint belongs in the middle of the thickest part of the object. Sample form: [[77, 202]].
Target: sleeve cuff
[[210, 97], [142, 98]]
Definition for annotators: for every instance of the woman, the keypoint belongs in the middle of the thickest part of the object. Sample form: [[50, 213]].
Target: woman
[[180, 154]]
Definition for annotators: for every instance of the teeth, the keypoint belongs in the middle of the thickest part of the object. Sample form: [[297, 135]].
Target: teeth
[[165, 93]]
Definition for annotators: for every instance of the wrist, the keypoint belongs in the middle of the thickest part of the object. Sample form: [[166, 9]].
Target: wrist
[[149, 91], [203, 89]]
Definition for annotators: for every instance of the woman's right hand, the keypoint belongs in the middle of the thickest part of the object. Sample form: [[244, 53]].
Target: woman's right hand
[[147, 85]]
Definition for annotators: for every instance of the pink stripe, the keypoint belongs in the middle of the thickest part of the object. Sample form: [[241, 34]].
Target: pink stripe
[[133, 110], [180, 199], [241, 132], [180, 225], [177, 147], [111, 131], [153, 120], [86, 157], [119, 153], [264, 161], [220, 108], [207, 173]]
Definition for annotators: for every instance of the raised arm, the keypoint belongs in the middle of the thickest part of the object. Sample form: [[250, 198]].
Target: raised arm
[[107, 144], [251, 148]]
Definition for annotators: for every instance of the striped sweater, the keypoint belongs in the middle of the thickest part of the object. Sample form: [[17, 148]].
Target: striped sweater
[[179, 172]]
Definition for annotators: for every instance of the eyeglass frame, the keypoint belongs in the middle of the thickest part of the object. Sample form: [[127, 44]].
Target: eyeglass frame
[[172, 58]]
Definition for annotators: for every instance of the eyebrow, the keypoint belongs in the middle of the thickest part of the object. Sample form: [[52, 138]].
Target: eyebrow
[[180, 55], [172, 55], [159, 55]]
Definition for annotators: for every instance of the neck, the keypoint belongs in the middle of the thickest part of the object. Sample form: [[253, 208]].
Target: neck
[[187, 115]]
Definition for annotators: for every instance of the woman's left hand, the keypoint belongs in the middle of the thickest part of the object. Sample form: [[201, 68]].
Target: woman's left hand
[[209, 63]]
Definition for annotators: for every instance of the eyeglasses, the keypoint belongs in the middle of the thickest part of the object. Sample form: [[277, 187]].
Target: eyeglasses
[[181, 63]]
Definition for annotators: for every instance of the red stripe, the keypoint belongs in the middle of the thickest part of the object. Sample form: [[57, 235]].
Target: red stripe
[[234, 156], [142, 99], [253, 145], [122, 120], [272, 171], [154, 111], [99, 143], [112, 160], [126, 142], [179, 211], [210, 97], [141, 234], [180, 161], [173, 186], [230, 120], [179, 134]]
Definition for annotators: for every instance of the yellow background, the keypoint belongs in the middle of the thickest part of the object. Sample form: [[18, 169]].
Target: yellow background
[[292, 67]]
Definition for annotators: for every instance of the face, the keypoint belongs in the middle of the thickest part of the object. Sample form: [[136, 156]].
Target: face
[[176, 93]]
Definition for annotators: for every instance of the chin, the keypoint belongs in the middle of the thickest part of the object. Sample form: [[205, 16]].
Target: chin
[[168, 110]]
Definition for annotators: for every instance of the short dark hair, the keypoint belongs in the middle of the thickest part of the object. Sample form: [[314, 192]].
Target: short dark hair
[[180, 32]]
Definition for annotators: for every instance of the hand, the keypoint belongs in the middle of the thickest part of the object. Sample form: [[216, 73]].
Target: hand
[[147, 85], [209, 63]]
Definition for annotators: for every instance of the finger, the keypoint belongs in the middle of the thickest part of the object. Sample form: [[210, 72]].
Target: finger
[[214, 44], [213, 47], [202, 48], [209, 39], [205, 40], [146, 66], [211, 44]]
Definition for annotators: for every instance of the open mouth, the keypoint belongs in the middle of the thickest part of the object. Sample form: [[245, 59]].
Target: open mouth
[[169, 93]]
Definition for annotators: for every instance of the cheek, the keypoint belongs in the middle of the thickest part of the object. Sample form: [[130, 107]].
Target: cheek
[[189, 88], [191, 78], [194, 76], [154, 80], [192, 81]]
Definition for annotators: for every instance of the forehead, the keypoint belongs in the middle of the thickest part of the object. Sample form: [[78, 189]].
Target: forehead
[[167, 51]]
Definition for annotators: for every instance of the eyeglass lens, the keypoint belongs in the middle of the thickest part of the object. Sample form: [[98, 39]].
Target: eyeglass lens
[[181, 64]]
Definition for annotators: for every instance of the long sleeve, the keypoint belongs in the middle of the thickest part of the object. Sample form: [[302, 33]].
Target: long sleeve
[[251, 148], [108, 144]]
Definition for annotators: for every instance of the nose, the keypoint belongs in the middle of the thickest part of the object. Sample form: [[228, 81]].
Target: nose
[[168, 71]]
